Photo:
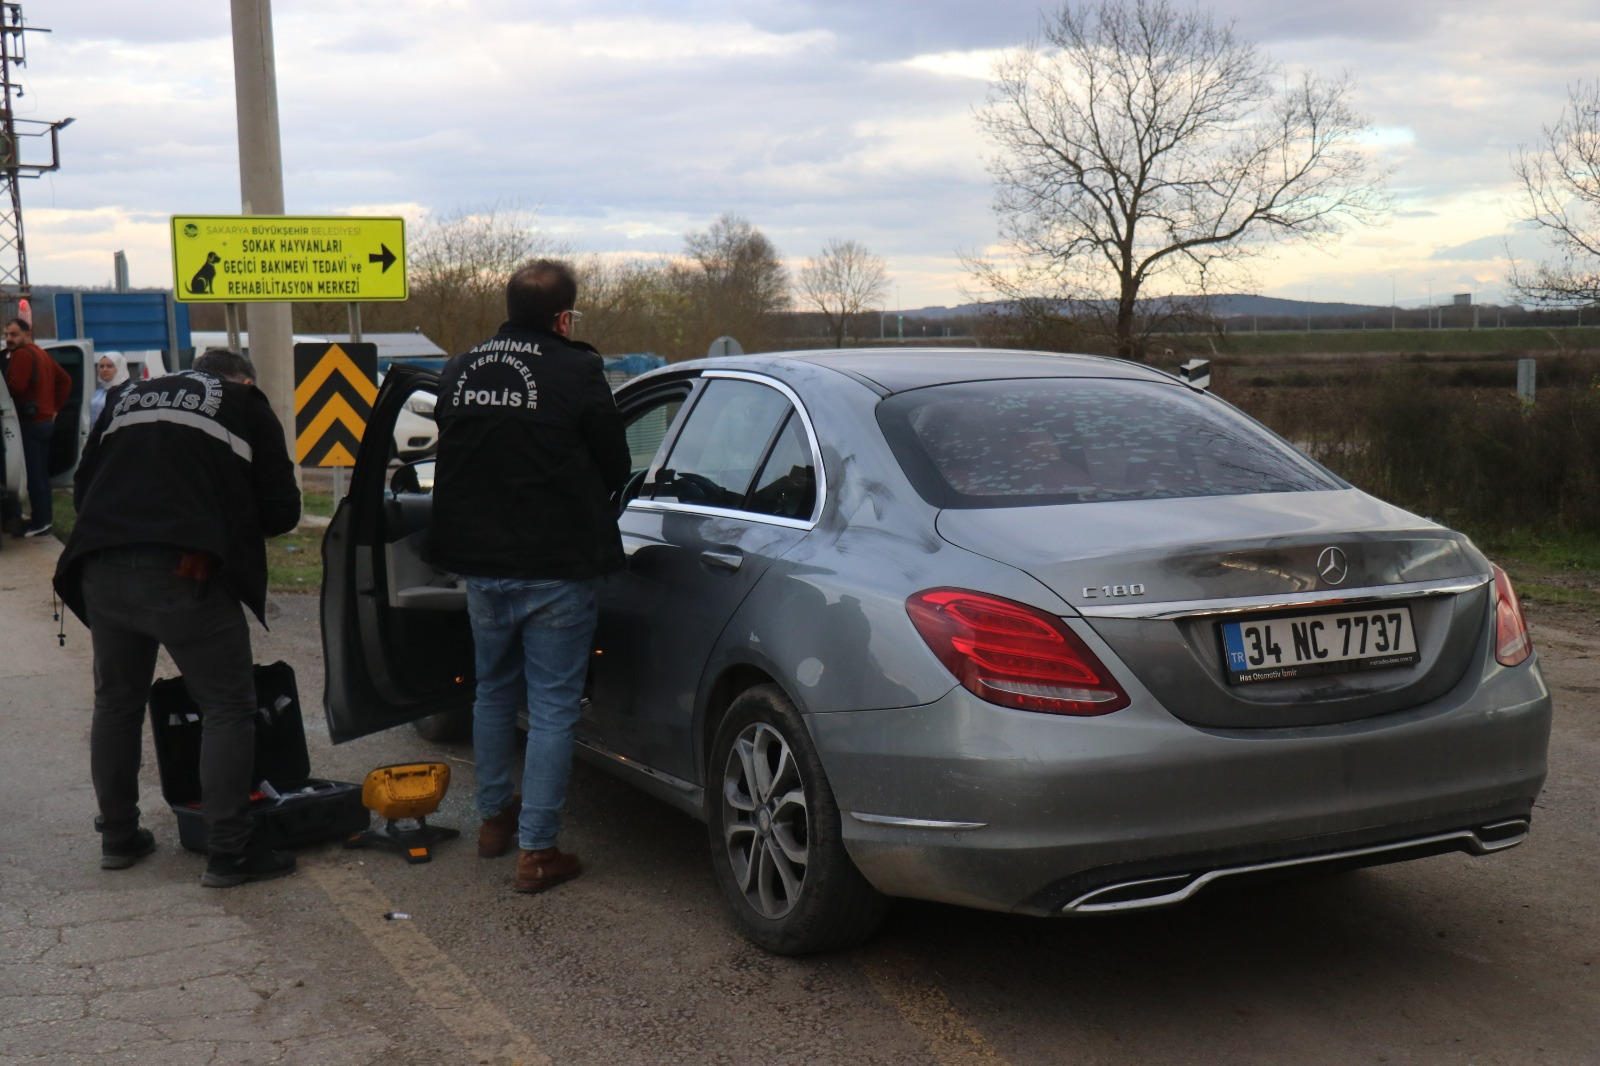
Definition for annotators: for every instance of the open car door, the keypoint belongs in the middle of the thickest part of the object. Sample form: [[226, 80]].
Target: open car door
[[77, 358], [13, 481], [396, 641]]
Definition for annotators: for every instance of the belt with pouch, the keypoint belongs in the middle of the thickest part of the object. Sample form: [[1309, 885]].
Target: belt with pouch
[[198, 565]]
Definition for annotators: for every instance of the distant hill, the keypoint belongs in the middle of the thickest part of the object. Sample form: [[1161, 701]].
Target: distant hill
[[1239, 305], [1231, 305]]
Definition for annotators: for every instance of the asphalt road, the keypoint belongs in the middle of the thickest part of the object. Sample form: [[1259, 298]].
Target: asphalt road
[[1448, 960]]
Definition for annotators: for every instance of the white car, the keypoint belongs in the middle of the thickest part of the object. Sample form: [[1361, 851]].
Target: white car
[[416, 434]]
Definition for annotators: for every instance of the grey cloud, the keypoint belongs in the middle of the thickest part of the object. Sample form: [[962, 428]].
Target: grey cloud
[[1522, 240], [784, 138], [131, 22]]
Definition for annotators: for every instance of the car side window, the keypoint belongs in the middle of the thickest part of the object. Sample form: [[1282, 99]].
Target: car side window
[[724, 440], [787, 484], [647, 428]]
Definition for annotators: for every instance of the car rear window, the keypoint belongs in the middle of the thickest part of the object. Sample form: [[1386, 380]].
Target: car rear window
[[1079, 440]]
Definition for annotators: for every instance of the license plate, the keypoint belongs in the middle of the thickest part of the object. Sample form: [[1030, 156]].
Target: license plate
[[1326, 642]]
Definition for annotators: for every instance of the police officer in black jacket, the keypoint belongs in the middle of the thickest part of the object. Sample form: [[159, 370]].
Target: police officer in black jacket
[[531, 448], [179, 482]]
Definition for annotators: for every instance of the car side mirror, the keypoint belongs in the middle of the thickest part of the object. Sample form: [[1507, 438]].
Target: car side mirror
[[415, 478]]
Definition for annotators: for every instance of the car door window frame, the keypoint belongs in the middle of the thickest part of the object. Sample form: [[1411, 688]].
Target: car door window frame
[[686, 391], [687, 412]]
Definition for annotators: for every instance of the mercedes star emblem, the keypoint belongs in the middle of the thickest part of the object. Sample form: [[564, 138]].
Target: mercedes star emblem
[[1332, 566]]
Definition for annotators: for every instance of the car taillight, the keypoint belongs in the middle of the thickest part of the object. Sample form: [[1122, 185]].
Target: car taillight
[[1512, 644], [1012, 654]]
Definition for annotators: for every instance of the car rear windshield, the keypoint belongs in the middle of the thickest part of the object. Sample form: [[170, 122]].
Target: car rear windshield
[[1078, 440]]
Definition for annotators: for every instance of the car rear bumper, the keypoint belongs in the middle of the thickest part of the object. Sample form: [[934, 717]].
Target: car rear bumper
[[963, 802], [1110, 891]]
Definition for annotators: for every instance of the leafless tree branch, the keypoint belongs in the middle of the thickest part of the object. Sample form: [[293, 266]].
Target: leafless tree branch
[[1560, 179], [844, 280], [1140, 143]]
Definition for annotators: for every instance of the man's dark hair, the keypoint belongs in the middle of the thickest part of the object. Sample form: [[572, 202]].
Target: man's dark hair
[[225, 363], [538, 291], [27, 327]]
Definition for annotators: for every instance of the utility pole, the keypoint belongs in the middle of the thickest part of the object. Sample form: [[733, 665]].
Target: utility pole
[[13, 251], [255, 90]]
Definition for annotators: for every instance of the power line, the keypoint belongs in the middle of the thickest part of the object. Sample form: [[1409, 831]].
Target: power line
[[14, 133]]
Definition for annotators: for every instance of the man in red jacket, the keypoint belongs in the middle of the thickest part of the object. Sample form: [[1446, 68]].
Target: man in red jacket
[[40, 388]]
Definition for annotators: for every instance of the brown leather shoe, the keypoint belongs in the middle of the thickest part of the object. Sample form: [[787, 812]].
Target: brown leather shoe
[[496, 834], [545, 868]]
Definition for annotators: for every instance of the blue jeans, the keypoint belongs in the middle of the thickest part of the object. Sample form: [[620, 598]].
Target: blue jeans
[[531, 648], [36, 437]]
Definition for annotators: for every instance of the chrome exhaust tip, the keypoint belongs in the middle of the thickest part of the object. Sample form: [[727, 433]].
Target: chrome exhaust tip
[[1152, 892]]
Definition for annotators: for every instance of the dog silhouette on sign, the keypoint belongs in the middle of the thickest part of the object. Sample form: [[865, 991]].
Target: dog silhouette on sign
[[203, 278]]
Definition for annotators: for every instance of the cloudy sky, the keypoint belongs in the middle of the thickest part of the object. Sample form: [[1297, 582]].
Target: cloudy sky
[[626, 123]]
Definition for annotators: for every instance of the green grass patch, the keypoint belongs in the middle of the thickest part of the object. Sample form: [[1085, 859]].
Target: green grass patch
[[1552, 569], [1573, 553], [1515, 340], [294, 561], [1535, 594], [63, 516], [317, 503]]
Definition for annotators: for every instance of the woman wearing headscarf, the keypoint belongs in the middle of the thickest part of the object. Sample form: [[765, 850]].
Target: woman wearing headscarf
[[111, 370]]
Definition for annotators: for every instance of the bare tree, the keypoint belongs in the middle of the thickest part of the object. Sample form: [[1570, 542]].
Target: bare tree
[[1145, 145], [734, 283], [630, 305], [458, 266], [1561, 187], [844, 280]]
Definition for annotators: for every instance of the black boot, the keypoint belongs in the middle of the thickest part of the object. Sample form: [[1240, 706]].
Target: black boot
[[121, 848], [257, 863]]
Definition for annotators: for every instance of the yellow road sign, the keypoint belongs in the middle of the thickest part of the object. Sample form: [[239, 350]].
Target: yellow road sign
[[260, 258], [333, 394]]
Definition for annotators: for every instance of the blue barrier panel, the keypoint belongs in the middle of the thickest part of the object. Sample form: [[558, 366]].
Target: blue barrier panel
[[124, 321]]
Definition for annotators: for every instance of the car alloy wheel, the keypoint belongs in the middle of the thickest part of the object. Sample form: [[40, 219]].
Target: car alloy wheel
[[775, 839], [764, 828]]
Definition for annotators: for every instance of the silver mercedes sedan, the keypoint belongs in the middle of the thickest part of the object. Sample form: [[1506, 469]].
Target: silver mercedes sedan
[[1050, 634]]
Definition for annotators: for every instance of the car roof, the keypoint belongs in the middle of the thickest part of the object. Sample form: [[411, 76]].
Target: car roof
[[891, 370]]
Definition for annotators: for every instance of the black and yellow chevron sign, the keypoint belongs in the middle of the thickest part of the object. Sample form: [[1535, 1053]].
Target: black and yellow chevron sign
[[333, 392]]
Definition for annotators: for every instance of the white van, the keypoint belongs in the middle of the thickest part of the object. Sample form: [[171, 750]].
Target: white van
[[13, 481], [77, 358]]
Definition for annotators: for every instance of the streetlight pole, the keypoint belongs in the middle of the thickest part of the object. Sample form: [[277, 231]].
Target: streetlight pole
[[1394, 305]]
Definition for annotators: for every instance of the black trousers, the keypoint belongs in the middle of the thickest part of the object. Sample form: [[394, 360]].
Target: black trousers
[[137, 604]]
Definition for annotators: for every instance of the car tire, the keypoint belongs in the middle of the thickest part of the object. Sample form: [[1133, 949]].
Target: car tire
[[775, 840], [444, 727]]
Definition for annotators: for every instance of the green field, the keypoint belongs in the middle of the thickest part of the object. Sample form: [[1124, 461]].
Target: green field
[[1386, 343]]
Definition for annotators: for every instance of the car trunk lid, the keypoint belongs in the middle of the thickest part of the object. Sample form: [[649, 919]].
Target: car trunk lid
[[1160, 580]]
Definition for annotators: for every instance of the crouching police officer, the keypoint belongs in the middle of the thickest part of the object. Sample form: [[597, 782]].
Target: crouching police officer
[[179, 482]]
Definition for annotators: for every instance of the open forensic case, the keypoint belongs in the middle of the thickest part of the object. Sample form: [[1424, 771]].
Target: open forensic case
[[289, 807]]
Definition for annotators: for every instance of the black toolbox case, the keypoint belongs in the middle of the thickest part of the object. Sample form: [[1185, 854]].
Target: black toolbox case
[[308, 809]]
